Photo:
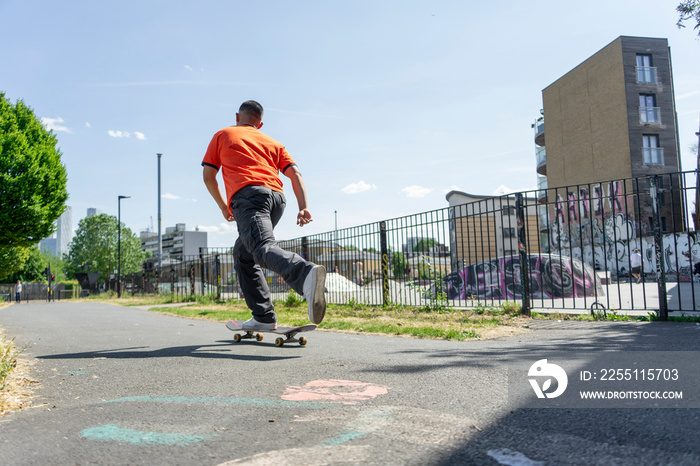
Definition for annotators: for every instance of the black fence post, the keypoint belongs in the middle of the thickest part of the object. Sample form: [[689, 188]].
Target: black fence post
[[385, 264], [217, 263], [305, 247], [201, 271], [522, 252], [658, 248]]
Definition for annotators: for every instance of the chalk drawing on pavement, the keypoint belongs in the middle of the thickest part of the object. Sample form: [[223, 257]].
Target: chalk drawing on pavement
[[114, 433], [335, 391]]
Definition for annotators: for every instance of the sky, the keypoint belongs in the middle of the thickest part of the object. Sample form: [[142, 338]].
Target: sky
[[386, 106]]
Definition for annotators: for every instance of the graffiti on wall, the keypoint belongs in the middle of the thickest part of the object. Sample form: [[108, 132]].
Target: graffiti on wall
[[594, 226], [592, 216], [551, 276]]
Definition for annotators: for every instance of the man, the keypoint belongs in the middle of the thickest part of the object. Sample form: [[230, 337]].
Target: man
[[18, 292], [250, 163], [636, 265]]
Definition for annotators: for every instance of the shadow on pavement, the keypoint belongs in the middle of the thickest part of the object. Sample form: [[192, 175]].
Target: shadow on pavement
[[141, 352], [538, 436]]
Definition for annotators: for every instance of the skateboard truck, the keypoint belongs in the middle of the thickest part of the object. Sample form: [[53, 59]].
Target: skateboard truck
[[288, 334]]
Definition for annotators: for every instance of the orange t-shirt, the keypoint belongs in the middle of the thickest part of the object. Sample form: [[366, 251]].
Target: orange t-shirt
[[247, 157]]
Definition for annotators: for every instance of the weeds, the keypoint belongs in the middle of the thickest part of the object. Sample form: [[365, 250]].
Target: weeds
[[293, 299], [8, 360]]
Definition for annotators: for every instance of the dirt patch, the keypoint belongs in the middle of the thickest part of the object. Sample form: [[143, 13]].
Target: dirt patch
[[19, 385]]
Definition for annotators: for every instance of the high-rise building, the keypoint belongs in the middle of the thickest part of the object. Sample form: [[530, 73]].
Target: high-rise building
[[93, 211], [613, 117], [64, 231], [48, 245]]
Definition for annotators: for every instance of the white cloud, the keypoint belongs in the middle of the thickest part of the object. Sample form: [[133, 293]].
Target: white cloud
[[188, 67], [416, 191], [220, 228], [170, 196], [125, 134], [54, 124], [355, 188], [118, 134], [87, 124], [502, 190]]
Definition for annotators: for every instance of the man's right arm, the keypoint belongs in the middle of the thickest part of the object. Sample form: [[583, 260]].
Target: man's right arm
[[304, 216], [209, 176]]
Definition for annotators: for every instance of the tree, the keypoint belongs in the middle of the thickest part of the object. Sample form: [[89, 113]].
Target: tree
[[94, 247], [24, 264], [689, 10], [57, 263], [424, 245], [12, 260], [399, 264], [32, 179]]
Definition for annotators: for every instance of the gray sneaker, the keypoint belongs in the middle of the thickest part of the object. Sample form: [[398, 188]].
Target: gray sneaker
[[314, 293], [252, 324]]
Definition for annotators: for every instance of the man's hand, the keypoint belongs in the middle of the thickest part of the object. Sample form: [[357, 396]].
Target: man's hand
[[304, 217], [227, 214]]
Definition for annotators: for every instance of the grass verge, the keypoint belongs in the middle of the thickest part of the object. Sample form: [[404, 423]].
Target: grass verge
[[441, 322], [481, 323]]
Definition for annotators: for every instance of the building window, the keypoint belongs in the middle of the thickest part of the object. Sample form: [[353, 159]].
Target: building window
[[649, 113], [508, 210], [509, 232], [646, 73], [652, 154]]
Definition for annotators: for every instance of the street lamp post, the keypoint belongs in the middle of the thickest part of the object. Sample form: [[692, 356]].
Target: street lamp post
[[119, 244], [160, 237]]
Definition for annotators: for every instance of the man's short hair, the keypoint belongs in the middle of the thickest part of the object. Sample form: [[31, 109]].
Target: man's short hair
[[251, 107]]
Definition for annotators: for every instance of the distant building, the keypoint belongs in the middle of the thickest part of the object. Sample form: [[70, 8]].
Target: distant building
[[48, 245], [486, 227], [93, 211], [177, 242], [58, 243], [64, 231]]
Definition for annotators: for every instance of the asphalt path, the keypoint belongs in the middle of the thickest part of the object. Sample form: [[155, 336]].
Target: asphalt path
[[124, 385]]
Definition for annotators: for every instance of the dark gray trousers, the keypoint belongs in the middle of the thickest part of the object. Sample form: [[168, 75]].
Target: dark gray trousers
[[257, 210]]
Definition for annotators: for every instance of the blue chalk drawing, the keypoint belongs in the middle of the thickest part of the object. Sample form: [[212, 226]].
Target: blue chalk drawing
[[113, 433]]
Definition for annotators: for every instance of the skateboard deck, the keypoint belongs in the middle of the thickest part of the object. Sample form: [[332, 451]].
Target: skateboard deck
[[289, 333]]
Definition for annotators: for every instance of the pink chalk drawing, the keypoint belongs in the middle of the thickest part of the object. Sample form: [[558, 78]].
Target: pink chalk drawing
[[335, 391]]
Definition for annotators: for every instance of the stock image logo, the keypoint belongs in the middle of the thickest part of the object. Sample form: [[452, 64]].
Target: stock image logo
[[545, 372]]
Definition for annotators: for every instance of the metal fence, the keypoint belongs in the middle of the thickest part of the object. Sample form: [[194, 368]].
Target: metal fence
[[556, 248], [39, 292]]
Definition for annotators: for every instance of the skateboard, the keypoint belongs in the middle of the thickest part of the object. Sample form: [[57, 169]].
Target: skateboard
[[289, 333]]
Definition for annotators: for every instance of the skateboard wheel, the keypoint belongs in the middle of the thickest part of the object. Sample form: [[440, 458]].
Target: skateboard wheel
[[237, 337], [259, 337], [302, 341], [279, 342]]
